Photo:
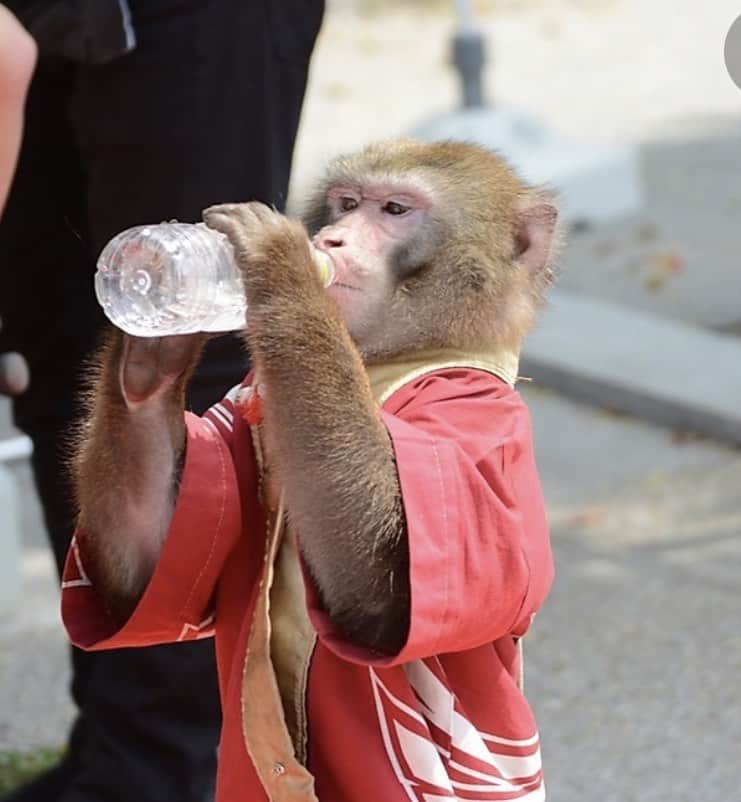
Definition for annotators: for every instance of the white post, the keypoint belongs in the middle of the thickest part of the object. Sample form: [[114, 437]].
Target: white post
[[10, 529]]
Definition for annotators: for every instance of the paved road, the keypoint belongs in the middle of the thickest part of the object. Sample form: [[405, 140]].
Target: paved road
[[634, 663]]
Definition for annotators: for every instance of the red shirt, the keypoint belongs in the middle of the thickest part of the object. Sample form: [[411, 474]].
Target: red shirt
[[443, 719]]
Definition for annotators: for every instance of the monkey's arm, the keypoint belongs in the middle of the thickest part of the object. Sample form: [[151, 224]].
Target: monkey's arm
[[336, 462], [128, 465], [323, 430]]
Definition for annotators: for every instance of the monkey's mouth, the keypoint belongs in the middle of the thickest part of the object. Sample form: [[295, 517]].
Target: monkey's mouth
[[345, 274], [342, 285]]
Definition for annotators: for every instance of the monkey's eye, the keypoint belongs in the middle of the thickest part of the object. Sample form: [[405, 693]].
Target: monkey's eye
[[395, 208], [347, 203]]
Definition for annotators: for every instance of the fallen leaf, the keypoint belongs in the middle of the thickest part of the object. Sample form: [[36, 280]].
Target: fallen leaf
[[589, 516], [662, 266]]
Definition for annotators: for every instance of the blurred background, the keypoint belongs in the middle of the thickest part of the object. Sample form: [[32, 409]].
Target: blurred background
[[634, 664]]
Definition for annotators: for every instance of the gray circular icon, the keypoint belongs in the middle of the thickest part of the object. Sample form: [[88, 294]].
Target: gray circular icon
[[732, 52]]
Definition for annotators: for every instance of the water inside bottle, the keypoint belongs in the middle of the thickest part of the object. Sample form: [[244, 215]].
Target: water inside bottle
[[176, 278], [169, 279]]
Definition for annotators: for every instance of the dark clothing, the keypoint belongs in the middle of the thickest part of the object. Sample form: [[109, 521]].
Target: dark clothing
[[203, 110], [92, 31]]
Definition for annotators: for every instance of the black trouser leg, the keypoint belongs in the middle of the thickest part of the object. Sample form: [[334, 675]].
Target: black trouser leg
[[149, 718]]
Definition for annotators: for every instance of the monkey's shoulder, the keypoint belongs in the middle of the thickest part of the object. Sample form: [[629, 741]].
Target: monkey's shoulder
[[474, 408]]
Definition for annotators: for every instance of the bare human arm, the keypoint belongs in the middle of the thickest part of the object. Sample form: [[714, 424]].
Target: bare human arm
[[17, 62]]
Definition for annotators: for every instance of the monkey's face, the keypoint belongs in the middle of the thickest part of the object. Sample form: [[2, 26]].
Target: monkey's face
[[435, 245], [368, 239]]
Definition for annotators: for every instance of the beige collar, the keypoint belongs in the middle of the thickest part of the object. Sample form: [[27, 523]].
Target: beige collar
[[387, 377]]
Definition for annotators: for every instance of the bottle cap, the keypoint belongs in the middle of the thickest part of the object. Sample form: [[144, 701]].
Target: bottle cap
[[324, 267]]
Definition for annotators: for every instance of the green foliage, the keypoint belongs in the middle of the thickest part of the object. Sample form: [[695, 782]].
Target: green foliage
[[17, 767]]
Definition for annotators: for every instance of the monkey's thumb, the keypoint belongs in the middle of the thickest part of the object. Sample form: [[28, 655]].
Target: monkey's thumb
[[14, 374]]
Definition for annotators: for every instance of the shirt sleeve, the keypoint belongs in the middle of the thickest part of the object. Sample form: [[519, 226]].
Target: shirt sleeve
[[480, 558], [177, 603]]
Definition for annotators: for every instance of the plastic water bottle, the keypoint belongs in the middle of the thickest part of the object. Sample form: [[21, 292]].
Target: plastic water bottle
[[175, 278]]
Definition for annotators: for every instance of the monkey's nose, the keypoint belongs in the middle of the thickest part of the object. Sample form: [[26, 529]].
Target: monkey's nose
[[328, 240]]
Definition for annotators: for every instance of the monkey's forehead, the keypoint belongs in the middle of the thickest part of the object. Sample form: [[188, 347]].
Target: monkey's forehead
[[426, 166], [410, 155], [379, 183]]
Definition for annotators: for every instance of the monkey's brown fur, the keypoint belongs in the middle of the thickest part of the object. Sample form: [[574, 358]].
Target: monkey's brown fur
[[328, 447], [125, 454], [472, 292], [468, 280]]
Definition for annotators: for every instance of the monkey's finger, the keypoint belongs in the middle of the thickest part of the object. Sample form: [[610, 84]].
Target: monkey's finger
[[265, 214], [229, 223], [243, 214], [14, 374], [242, 236], [220, 221], [229, 209], [251, 217], [240, 209]]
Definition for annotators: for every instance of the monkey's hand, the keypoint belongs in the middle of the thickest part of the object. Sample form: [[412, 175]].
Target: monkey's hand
[[272, 252], [151, 366]]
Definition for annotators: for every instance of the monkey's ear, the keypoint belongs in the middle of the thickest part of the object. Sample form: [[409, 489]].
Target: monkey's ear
[[534, 232]]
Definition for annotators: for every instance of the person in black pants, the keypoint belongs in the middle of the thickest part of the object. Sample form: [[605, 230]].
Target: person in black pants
[[138, 112]]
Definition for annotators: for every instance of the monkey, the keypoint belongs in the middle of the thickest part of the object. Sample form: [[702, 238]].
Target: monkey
[[405, 524]]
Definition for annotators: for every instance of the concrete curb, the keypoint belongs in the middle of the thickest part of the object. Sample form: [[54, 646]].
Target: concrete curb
[[670, 373]]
